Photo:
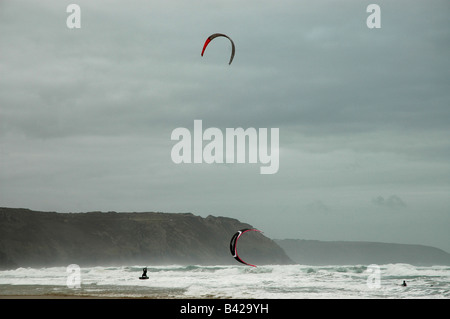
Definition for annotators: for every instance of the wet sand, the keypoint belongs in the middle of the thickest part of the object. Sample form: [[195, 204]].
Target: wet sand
[[63, 297]]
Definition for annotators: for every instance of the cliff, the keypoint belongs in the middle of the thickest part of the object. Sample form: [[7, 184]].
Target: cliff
[[314, 252], [42, 239]]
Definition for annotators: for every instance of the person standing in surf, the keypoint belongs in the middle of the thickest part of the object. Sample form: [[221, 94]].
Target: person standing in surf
[[144, 274]]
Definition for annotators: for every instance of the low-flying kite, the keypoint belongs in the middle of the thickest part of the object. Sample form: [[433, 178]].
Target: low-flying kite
[[233, 243]]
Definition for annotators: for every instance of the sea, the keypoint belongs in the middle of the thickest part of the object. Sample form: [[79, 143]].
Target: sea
[[230, 282]]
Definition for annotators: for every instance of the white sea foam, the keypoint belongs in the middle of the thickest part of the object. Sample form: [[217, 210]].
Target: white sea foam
[[273, 281]]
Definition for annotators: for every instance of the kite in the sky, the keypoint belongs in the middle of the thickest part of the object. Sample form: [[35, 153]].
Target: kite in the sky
[[233, 243], [215, 35]]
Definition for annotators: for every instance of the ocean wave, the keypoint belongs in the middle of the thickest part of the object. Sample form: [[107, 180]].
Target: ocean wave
[[236, 281]]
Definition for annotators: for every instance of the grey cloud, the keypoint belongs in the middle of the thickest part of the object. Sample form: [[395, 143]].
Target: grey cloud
[[392, 201], [318, 206], [89, 112]]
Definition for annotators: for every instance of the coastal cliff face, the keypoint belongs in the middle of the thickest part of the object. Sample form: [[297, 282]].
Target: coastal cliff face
[[315, 252], [43, 239]]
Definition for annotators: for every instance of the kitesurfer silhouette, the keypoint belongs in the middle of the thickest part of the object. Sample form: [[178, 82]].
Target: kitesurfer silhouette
[[404, 283], [144, 273]]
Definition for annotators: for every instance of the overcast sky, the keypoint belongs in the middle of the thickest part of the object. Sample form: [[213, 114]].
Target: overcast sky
[[86, 114]]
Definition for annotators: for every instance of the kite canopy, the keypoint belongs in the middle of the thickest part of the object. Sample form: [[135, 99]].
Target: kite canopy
[[215, 35], [233, 243]]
